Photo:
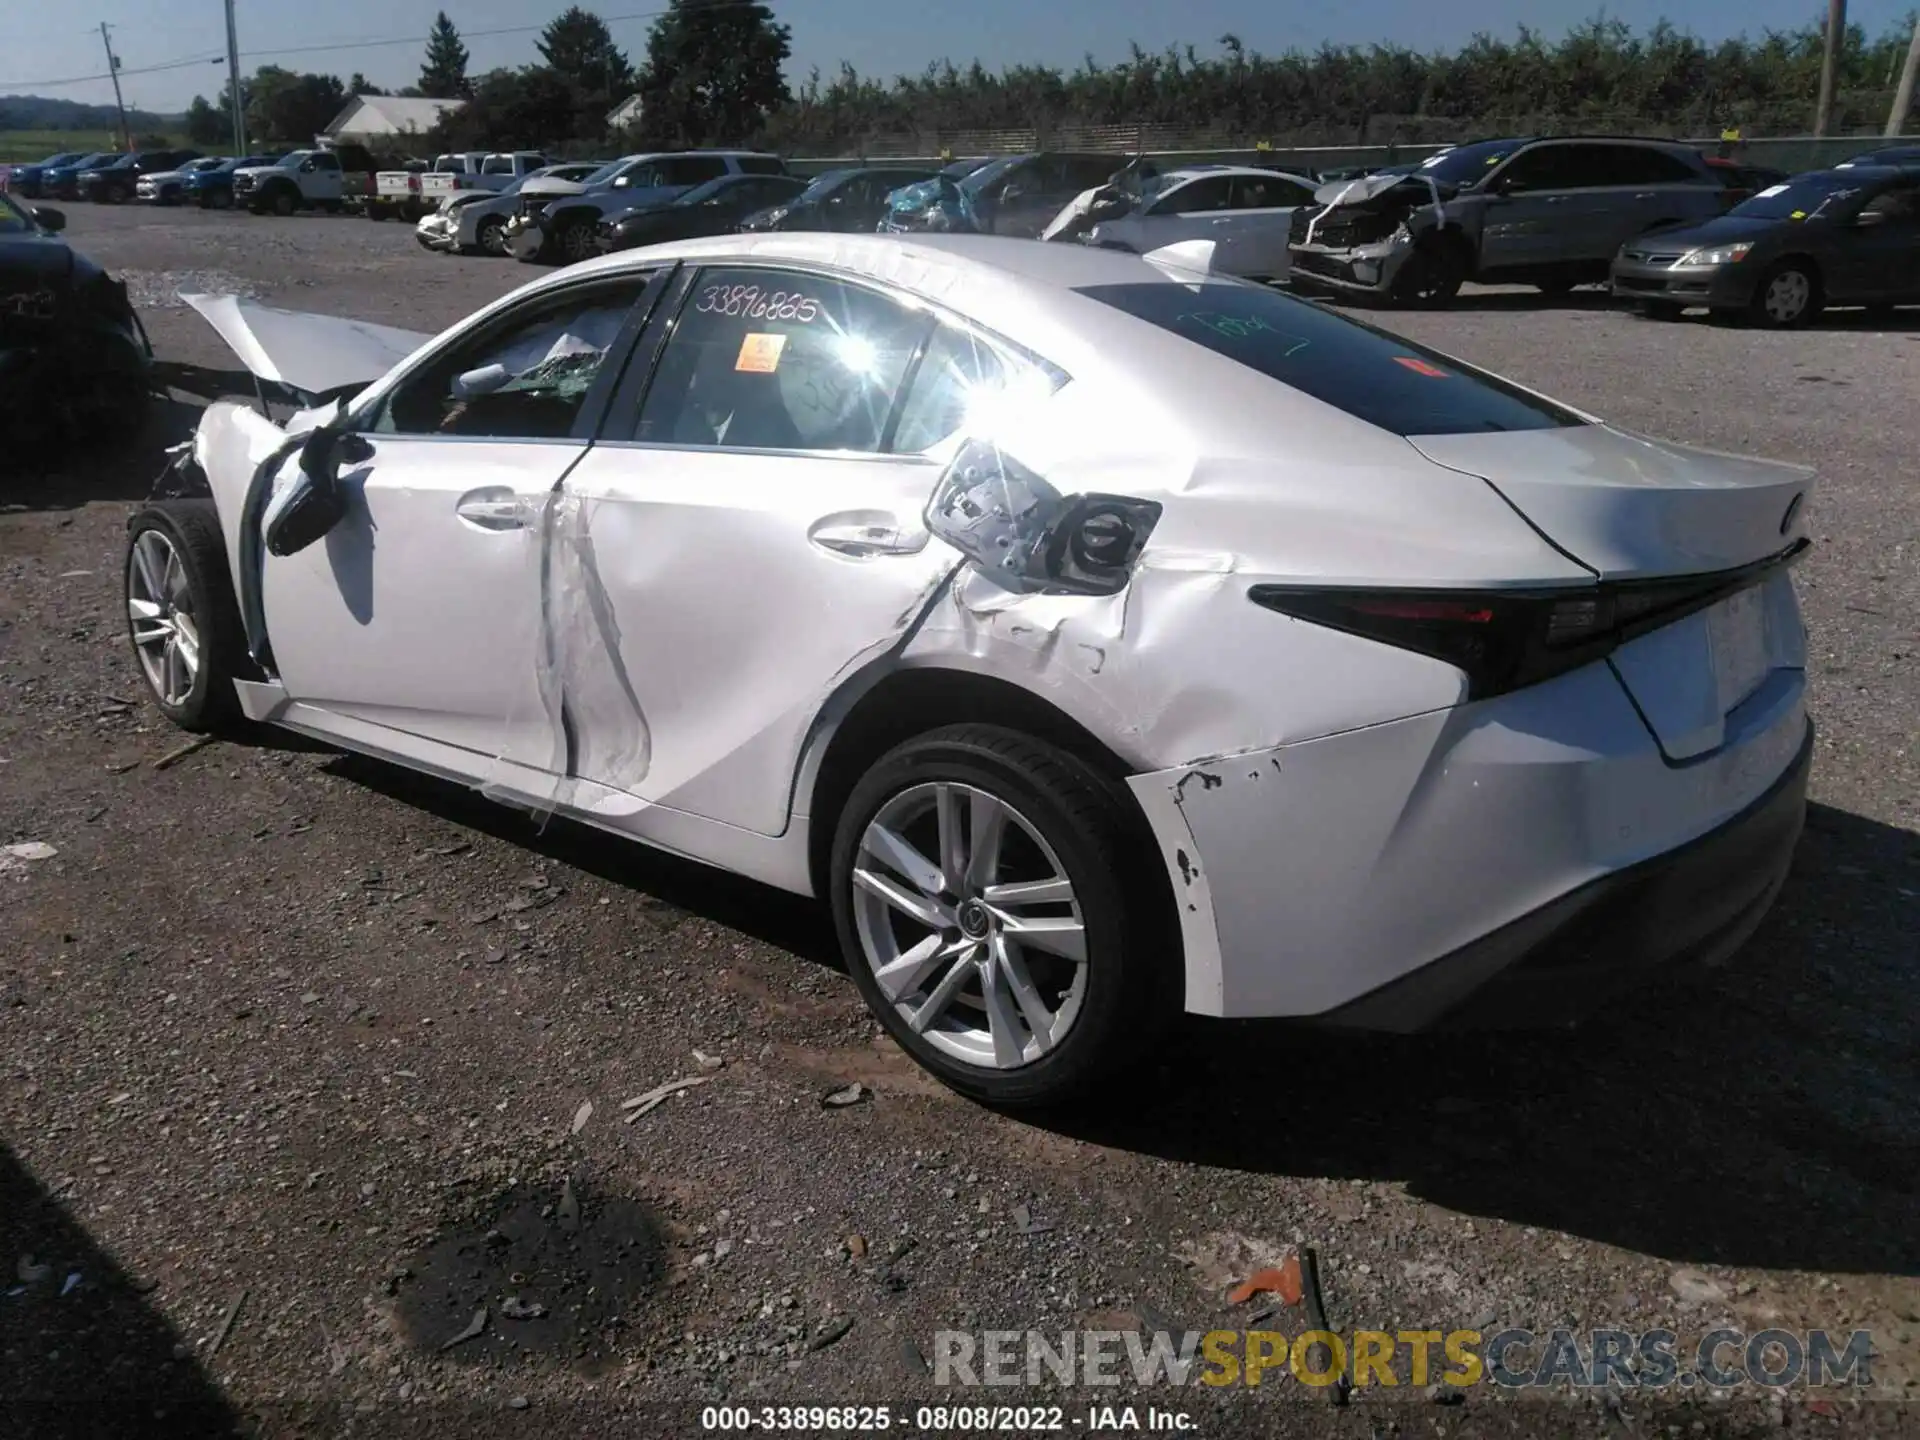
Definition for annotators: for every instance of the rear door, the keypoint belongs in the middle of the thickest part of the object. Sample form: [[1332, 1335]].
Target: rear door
[[1255, 227], [1186, 212], [757, 526]]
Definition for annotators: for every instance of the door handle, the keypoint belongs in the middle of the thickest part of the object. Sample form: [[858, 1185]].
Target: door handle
[[496, 508], [1647, 195], [867, 534]]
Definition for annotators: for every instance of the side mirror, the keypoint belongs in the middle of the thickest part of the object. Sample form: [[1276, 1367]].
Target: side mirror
[[49, 219], [1027, 536], [316, 502]]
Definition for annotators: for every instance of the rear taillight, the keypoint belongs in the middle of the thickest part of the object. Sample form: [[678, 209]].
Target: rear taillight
[[1504, 640], [413, 184]]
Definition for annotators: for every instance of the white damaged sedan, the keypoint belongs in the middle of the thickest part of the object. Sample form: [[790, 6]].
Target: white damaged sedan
[[1100, 637]]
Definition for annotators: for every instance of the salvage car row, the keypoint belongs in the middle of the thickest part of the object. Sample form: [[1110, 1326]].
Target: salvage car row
[[1663, 225]]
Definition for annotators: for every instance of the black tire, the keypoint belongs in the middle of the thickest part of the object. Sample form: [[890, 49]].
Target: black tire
[[1558, 286], [1881, 313], [1772, 303], [1661, 309], [222, 200], [1132, 976], [192, 528], [491, 237], [1432, 276], [284, 201]]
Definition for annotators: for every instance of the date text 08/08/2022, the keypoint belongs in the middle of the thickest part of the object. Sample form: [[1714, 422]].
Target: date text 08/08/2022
[[943, 1419]]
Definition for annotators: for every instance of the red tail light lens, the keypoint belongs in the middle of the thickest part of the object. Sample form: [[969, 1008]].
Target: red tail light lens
[[1505, 640]]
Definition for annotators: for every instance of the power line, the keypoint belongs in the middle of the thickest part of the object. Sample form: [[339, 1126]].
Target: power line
[[322, 48]]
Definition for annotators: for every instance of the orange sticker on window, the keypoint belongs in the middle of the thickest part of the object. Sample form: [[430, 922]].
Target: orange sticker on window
[[760, 354], [1421, 367]]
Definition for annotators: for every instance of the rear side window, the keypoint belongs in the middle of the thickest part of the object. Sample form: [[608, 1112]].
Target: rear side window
[[692, 169], [762, 165], [1213, 193], [1257, 192], [1634, 165], [1380, 378]]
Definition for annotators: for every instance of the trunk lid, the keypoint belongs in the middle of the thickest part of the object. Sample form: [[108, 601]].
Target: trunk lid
[[1633, 508]]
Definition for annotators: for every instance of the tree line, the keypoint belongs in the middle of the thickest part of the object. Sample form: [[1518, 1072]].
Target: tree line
[[714, 74]]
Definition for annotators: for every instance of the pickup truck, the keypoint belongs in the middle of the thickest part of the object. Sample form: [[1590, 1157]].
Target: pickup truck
[[317, 179], [478, 172], [397, 192]]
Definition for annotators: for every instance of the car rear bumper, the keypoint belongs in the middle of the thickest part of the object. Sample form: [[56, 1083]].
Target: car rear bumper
[[1382, 876], [1690, 908], [1722, 286]]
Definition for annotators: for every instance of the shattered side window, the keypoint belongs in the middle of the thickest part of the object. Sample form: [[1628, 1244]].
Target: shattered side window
[[780, 360], [524, 378], [1372, 375]]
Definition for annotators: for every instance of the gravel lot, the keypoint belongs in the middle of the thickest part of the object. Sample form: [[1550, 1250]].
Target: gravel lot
[[294, 1030]]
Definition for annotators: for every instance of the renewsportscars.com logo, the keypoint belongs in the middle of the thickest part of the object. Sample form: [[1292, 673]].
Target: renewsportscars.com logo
[[1513, 1359]]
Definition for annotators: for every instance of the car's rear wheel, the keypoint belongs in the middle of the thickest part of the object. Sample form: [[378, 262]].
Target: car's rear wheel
[[492, 236], [181, 614], [1787, 295], [990, 900], [284, 202], [221, 200]]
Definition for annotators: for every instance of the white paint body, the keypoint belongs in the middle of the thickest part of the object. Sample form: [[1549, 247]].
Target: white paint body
[[1249, 240], [1332, 811]]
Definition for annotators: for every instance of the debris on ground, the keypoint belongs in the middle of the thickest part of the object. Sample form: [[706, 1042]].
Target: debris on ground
[[514, 1308], [1024, 1222], [476, 1327], [518, 1402], [582, 1116], [180, 752], [226, 1324], [569, 1212], [641, 1104], [1282, 1280], [857, 1246], [72, 1284], [30, 1273], [706, 1061], [31, 850], [845, 1095], [1696, 1288], [830, 1333]]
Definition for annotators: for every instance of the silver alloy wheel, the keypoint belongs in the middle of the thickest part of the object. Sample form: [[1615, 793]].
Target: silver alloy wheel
[[493, 235], [1787, 296], [165, 634], [984, 953]]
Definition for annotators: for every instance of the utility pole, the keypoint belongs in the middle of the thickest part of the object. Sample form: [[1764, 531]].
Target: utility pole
[[1903, 97], [113, 69], [233, 86], [1830, 63]]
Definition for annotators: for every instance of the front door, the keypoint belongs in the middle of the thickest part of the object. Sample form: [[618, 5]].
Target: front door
[[422, 611], [1533, 203], [756, 528]]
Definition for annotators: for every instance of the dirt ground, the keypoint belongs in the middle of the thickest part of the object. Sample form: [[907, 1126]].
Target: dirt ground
[[297, 1051]]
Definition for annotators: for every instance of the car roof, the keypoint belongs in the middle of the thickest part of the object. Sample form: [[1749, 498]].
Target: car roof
[[1025, 292]]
